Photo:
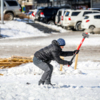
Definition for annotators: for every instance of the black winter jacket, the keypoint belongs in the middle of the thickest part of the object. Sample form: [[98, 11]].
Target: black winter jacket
[[53, 52]]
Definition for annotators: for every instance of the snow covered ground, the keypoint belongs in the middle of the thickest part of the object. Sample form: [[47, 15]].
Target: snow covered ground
[[80, 84], [19, 28]]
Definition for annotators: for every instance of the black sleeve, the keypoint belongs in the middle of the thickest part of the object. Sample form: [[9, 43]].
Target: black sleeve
[[58, 59], [67, 53]]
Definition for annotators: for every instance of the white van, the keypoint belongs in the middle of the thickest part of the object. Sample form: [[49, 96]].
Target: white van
[[73, 18], [12, 8]]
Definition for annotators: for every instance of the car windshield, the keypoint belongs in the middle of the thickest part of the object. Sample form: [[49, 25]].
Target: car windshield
[[86, 17]]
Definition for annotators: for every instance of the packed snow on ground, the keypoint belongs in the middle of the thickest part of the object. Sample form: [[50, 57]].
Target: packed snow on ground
[[80, 84]]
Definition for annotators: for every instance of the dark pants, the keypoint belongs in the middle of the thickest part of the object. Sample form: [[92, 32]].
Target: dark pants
[[46, 67]]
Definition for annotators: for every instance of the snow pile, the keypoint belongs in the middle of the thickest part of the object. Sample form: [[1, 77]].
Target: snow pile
[[30, 68], [19, 29]]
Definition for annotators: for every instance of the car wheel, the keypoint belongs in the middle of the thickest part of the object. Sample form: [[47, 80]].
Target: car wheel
[[92, 27], [51, 22], [78, 26], [11, 16]]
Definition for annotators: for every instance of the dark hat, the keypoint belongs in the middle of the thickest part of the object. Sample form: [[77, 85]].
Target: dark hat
[[61, 42]]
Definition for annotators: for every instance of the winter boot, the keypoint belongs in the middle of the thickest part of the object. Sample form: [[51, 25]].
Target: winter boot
[[41, 82], [48, 82]]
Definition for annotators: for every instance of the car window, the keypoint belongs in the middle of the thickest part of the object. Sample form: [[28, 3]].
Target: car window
[[86, 17], [75, 13], [12, 3], [88, 12], [97, 17], [67, 13]]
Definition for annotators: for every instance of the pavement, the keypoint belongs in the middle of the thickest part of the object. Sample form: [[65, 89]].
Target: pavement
[[43, 28]]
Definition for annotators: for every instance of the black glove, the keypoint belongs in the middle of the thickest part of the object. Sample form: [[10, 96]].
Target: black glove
[[70, 62], [76, 51]]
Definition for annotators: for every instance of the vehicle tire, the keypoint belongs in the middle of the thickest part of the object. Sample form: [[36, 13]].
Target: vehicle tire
[[78, 26], [11, 16], [92, 28], [51, 22]]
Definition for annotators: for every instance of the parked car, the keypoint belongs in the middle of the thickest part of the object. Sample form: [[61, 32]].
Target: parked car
[[91, 21], [59, 16], [47, 14], [32, 15], [12, 8], [73, 18]]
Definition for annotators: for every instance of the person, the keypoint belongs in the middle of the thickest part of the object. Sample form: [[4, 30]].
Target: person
[[43, 57]]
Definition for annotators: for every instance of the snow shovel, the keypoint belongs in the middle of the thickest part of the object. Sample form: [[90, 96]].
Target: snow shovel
[[85, 35]]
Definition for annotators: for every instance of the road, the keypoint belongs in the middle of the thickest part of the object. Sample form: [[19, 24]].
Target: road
[[28, 46]]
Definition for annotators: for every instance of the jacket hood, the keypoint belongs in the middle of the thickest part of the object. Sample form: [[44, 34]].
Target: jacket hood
[[54, 42]]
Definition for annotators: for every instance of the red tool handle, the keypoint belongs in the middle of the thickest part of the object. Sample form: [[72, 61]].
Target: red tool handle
[[81, 42], [78, 48]]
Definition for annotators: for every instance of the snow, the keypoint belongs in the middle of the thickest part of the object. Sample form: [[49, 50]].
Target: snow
[[80, 84], [58, 28], [18, 29]]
